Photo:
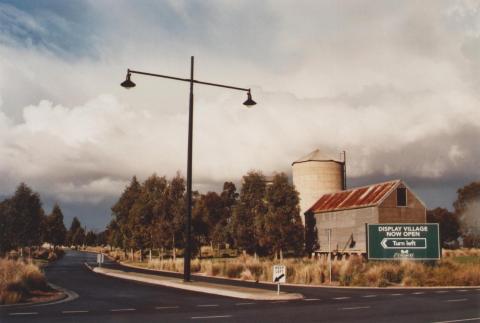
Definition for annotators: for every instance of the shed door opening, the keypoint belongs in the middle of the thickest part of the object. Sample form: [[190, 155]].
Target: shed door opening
[[401, 196]]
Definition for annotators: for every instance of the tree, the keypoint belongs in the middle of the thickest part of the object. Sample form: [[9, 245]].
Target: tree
[[5, 227], [114, 235], [121, 211], [101, 238], [467, 209], [249, 214], [90, 238], [220, 231], [200, 214], [283, 225], [311, 233], [177, 209], [208, 212], [448, 222], [148, 208], [78, 237], [55, 231], [26, 217], [76, 234], [465, 196]]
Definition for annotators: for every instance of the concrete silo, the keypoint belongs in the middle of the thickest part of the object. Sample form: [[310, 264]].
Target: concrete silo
[[316, 174]]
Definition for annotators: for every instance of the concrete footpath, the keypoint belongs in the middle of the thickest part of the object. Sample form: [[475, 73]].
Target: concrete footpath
[[202, 287]]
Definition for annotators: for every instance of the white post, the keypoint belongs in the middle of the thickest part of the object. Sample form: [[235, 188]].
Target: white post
[[330, 254], [278, 288]]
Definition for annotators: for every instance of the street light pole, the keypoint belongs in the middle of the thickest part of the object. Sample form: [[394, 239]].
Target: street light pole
[[188, 218], [186, 257]]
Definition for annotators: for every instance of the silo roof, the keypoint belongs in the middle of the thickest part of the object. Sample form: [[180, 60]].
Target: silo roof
[[316, 155], [366, 196]]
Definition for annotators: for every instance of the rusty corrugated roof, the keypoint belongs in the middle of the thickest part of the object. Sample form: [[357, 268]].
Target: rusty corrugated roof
[[354, 198]]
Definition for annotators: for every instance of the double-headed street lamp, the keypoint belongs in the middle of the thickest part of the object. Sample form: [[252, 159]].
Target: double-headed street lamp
[[249, 102]]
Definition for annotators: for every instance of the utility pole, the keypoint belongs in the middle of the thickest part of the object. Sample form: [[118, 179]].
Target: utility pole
[[330, 254]]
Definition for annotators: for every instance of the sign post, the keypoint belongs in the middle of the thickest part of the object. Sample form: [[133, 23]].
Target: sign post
[[419, 241], [100, 259], [279, 276], [329, 255]]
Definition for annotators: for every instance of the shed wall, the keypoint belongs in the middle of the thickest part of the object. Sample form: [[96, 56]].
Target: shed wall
[[344, 224], [414, 212]]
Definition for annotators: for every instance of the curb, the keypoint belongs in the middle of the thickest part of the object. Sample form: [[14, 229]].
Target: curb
[[66, 296], [69, 296], [305, 285], [261, 295]]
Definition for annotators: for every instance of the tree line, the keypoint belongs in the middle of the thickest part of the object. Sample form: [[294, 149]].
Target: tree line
[[464, 222], [24, 223], [263, 218]]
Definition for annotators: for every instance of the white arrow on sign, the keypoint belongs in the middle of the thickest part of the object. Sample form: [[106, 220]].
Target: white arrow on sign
[[404, 243]]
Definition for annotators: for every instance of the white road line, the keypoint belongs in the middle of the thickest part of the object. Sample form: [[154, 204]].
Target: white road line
[[210, 317], [461, 320], [207, 305], [241, 304], [368, 296], [396, 294], [457, 300], [311, 299], [340, 298], [74, 312], [441, 291], [418, 293], [122, 309], [165, 307], [24, 313], [355, 308]]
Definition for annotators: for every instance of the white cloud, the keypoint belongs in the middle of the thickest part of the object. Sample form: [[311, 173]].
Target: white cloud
[[391, 83]]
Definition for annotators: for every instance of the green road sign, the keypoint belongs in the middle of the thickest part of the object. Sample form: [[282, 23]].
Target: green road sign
[[403, 241]]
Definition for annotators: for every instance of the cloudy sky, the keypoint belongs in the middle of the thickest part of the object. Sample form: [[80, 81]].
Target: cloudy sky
[[394, 83]]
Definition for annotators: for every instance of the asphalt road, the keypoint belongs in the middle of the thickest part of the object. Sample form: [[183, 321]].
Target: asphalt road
[[106, 299]]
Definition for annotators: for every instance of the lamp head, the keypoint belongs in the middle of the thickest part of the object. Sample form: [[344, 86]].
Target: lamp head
[[128, 83], [249, 102]]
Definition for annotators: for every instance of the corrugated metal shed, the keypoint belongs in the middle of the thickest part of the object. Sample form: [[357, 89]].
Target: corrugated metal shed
[[355, 198]]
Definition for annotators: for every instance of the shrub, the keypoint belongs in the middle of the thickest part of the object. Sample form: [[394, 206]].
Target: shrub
[[52, 256], [414, 274], [234, 269], [18, 279], [246, 275], [195, 266], [255, 269], [351, 270]]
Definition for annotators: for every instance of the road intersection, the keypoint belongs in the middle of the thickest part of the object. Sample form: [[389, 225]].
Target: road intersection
[[107, 299]]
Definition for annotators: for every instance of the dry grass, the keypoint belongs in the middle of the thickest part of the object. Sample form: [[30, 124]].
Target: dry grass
[[452, 270], [463, 252], [18, 279]]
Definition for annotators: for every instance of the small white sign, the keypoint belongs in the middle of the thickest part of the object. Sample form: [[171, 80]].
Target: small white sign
[[279, 274]]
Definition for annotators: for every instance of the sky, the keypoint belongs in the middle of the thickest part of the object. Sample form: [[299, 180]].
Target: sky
[[394, 83]]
